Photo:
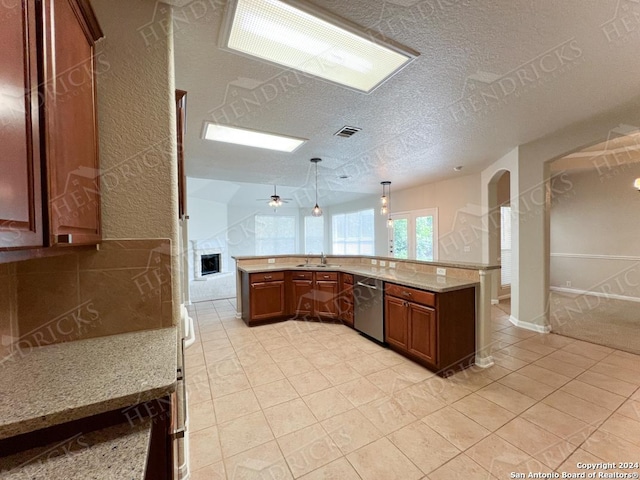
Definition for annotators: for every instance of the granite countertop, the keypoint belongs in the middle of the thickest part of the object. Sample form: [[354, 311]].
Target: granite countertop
[[55, 384], [336, 259], [113, 453], [425, 281]]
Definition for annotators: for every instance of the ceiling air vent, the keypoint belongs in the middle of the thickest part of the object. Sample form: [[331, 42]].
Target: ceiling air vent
[[347, 131]]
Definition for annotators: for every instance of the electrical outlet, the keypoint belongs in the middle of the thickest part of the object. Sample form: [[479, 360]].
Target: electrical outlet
[[374, 261], [383, 263], [467, 248], [568, 283], [271, 260], [392, 264], [441, 271]]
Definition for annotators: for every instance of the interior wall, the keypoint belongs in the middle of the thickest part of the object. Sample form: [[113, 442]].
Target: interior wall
[[458, 202], [208, 224], [137, 123], [594, 232], [529, 186]]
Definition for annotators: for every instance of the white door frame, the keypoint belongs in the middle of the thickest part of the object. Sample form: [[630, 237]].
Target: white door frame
[[411, 217]]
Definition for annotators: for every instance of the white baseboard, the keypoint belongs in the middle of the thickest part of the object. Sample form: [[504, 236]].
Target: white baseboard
[[534, 327], [575, 291], [238, 314], [484, 362], [504, 297]]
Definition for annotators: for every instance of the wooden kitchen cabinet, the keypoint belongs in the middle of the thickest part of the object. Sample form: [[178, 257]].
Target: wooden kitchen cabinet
[[20, 190], [301, 294], [397, 324], [421, 340], [346, 299], [326, 295], [69, 33], [434, 329], [50, 188], [264, 300]]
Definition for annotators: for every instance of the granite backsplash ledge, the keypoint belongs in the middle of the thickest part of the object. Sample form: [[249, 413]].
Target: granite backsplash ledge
[[125, 286]]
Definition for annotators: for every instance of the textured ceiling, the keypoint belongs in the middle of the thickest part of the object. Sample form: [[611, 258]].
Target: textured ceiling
[[492, 74]]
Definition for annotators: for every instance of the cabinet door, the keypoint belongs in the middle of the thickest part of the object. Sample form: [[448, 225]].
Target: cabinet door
[[346, 304], [422, 332], [302, 297], [326, 298], [396, 322], [267, 300], [20, 188], [68, 89]]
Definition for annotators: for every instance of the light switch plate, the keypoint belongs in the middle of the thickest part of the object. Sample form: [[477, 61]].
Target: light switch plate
[[383, 263], [441, 271], [271, 260], [392, 264], [374, 261], [467, 248]]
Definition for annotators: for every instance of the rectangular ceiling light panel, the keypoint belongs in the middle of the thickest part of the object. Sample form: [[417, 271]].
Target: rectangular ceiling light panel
[[251, 138], [310, 41]]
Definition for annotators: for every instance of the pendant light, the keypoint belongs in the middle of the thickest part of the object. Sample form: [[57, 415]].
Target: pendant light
[[636, 184], [317, 211], [385, 201]]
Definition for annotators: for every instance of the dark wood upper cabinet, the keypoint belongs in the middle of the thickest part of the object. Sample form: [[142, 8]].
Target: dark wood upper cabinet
[[50, 180], [69, 120], [20, 180], [181, 130]]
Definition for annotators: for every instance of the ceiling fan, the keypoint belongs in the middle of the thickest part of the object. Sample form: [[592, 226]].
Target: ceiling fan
[[274, 200]]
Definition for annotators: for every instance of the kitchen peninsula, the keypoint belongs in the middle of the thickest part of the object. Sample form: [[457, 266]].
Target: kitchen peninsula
[[436, 313]]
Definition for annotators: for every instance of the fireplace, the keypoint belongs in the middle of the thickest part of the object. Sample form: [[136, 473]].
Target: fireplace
[[210, 264]]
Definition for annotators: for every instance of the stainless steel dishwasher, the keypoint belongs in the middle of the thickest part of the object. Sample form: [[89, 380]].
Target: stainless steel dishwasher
[[368, 302]]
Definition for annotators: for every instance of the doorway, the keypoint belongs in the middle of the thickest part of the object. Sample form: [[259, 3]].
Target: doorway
[[414, 235]]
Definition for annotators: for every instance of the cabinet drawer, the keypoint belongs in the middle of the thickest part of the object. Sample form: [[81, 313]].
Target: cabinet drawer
[[328, 276], [302, 275], [266, 277], [347, 278], [417, 296]]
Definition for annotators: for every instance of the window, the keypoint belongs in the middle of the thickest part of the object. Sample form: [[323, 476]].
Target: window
[[414, 235], [275, 234], [313, 234], [505, 246], [353, 233]]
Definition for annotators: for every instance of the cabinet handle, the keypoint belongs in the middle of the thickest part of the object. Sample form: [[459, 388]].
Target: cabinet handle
[[268, 277], [406, 294], [326, 276], [68, 238]]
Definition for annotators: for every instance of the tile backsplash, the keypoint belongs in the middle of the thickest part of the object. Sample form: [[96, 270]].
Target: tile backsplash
[[125, 286]]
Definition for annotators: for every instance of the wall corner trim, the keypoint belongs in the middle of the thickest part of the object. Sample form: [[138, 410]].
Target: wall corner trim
[[534, 327], [484, 362]]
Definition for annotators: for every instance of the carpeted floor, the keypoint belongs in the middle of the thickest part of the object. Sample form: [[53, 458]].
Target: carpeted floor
[[613, 323]]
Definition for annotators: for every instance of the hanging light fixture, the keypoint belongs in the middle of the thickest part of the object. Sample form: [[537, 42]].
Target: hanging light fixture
[[385, 200], [317, 211]]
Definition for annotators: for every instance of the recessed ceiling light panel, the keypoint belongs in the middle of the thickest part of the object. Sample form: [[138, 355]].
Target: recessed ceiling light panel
[[305, 38], [251, 138]]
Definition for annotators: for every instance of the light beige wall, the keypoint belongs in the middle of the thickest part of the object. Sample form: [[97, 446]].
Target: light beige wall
[[593, 229], [458, 202], [530, 232], [136, 113]]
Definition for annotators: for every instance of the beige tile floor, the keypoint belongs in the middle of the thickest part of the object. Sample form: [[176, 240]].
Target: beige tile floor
[[318, 401]]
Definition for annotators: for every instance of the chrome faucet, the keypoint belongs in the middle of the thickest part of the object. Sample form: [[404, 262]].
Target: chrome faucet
[[307, 260], [323, 259]]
